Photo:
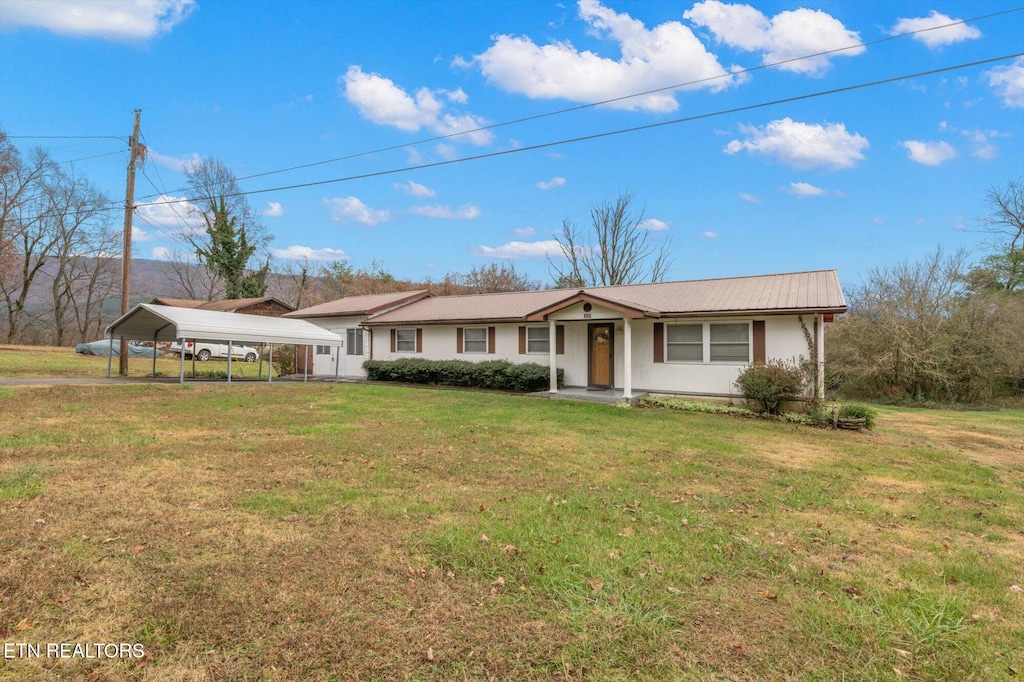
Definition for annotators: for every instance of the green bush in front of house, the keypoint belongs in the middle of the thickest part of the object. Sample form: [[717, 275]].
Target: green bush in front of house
[[494, 374], [770, 384]]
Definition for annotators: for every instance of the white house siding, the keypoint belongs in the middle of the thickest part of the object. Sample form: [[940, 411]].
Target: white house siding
[[784, 340], [350, 366], [439, 343]]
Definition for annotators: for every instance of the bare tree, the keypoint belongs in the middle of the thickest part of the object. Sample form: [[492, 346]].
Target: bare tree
[[615, 251], [26, 237], [1003, 269], [76, 219], [297, 283], [189, 279], [485, 279]]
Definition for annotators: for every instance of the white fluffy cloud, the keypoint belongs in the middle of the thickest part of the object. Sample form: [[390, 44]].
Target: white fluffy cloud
[[296, 252], [415, 189], [803, 145], [524, 231], [653, 224], [466, 212], [937, 37], [541, 249], [750, 198], [140, 236], [786, 36], [381, 101], [174, 214], [110, 19], [552, 183], [709, 235], [160, 253], [666, 55], [1008, 82], [344, 209], [273, 209], [172, 162], [806, 189], [929, 153]]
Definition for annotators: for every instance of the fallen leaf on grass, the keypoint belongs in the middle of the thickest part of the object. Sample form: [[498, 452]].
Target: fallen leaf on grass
[[95, 676], [595, 584], [509, 549], [484, 538], [430, 653], [1016, 588], [25, 624], [138, 548], [4, 632], [64, 598], [626, 532]]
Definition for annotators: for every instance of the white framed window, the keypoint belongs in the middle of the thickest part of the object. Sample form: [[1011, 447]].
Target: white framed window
[[405, 340], [707, 342], [684, 343], [538, 340], [354, 337], [729, 342], [323, 350], [474, 340]]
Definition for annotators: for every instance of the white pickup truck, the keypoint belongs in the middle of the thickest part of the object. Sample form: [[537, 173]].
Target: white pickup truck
[[205, 351]]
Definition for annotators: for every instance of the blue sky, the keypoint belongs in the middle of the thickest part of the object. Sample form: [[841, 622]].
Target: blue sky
[[851, 181]]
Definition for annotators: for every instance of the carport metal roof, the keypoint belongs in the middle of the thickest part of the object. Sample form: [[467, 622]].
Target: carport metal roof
[[148, 322]]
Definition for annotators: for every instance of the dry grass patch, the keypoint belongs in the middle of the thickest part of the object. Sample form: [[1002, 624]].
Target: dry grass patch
[[364, 532]]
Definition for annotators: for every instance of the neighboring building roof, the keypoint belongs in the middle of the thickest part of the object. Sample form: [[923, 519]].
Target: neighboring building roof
[[360, 305], [169, 323], [226, 306], [815, 291]]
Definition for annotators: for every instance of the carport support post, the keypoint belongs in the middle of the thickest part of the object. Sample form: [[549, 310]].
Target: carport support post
[[229, 362], [181, 377], [270, 365], [154, 355], [552, 358], [337, 362], [305, 363], [110, 355], [259, 372]]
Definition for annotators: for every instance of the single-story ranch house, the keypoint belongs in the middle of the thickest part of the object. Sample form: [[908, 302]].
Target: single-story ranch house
[[691, 337]]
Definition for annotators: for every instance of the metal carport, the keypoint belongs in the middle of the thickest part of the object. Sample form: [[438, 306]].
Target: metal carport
[[166, 323]]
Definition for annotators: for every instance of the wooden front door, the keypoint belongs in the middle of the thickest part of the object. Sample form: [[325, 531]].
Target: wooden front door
[[602, 365]]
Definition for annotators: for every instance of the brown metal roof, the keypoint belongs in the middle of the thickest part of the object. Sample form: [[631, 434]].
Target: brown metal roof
[[815, 291], [229, 305], [359, 305], [473, 307]]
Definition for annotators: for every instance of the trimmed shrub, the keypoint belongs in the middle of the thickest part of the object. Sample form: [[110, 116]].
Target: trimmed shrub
[[770, 384], [494, 374]]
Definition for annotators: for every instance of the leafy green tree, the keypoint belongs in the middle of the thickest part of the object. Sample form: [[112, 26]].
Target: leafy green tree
[[233, 235], [228, 252]]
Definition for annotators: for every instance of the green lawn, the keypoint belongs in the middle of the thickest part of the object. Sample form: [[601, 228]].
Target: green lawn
[[358, 532]]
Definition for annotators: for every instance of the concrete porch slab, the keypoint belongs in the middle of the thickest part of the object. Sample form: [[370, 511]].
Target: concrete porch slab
[[609, 396]]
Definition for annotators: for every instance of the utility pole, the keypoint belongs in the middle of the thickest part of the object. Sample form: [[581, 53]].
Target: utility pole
[[126, 256]]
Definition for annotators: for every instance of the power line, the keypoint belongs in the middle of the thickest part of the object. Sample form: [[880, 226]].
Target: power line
[[620, 131], [68, 137], [590, 105]]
